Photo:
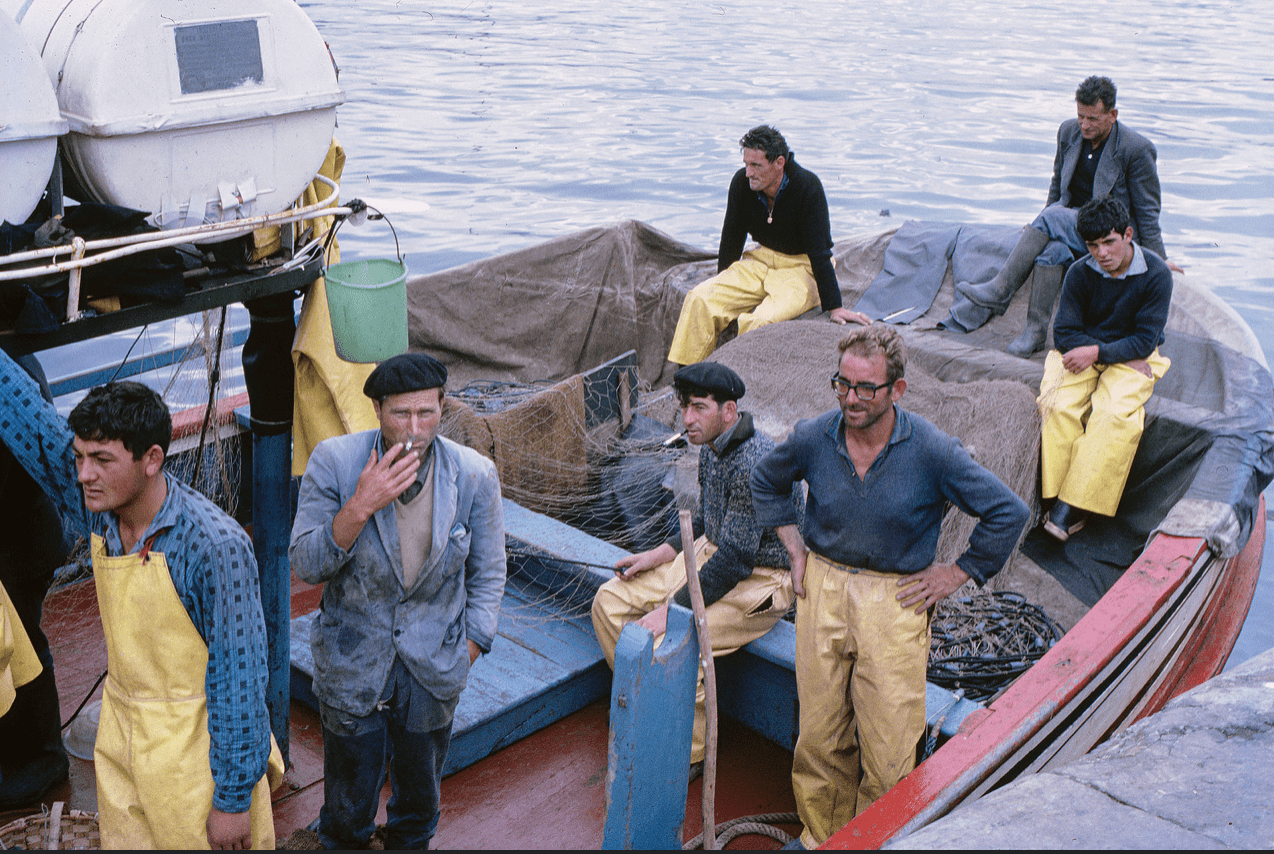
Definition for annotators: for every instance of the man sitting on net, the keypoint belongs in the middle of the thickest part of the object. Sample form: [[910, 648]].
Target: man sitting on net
[[743, 568], [1109, 326]]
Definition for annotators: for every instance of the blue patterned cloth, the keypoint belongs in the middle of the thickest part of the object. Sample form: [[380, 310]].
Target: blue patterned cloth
[[214, 572]]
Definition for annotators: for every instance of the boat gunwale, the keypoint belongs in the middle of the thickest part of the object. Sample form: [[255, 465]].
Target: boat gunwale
[[990, 737]]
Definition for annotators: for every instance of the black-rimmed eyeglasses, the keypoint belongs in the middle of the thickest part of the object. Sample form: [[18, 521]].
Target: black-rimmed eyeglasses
[[863, 391]]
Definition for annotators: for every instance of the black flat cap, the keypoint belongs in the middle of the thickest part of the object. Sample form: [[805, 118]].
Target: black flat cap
[[708, 379], [405, 373]]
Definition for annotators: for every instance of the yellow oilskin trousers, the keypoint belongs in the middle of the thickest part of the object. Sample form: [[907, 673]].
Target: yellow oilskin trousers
[[154, 782], [736, 619], [762, 287], [18, 662], [1091, 426], [860, 677]]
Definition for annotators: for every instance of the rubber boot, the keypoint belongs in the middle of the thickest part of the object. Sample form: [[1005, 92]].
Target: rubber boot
[[997, 293], [1048, 283]]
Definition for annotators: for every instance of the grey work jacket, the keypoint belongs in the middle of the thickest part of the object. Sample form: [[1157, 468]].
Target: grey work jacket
[[367, 616]]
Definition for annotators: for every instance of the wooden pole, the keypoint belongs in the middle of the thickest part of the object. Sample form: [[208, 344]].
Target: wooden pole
[[709, 683]]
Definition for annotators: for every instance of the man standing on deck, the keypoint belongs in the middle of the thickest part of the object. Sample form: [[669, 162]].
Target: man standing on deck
[[184, 741], [784, 208], [879, 482], [407, 530], [743, 567], [1096, 156], [1096, 383]]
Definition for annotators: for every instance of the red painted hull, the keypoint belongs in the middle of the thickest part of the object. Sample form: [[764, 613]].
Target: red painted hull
[[1166, 626]]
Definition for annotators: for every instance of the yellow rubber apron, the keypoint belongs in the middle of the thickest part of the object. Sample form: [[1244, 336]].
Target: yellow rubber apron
[[18, 662], [154, 782]]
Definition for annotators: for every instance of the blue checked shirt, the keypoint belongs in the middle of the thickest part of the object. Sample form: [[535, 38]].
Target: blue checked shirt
[[214, 572]]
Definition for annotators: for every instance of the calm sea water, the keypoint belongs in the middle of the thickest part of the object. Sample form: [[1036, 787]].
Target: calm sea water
[[518, 122]]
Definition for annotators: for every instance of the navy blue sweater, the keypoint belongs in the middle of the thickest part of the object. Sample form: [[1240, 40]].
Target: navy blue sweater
[[1124, 317]]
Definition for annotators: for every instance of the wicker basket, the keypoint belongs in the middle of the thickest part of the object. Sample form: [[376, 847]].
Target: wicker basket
[[58, 829]]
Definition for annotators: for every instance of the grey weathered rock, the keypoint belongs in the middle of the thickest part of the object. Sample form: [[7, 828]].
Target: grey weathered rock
[[1198, 774]]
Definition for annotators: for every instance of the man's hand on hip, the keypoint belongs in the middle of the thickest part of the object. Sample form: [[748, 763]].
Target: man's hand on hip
[[929, 586]]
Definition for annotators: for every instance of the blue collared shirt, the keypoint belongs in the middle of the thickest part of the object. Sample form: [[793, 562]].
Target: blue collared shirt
[[213, 569], [889, 519]]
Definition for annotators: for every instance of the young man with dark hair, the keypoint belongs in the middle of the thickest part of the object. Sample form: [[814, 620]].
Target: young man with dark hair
[[880, 481], [743, 568], [783, 207], [1109, 326], [1096, 156], [184, 741]]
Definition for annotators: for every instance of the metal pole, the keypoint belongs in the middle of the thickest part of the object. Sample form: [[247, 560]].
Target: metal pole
[[267, 368], [709, 684]]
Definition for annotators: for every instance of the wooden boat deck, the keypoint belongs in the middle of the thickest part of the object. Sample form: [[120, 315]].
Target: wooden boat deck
[[546, 790]]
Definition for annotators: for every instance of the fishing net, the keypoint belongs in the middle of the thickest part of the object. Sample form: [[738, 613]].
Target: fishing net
[[980, 643]]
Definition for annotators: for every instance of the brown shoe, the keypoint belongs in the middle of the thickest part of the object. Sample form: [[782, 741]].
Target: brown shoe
[[1064, 520]]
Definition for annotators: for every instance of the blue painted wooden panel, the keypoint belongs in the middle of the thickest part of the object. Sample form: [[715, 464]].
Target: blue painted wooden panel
[[651, 716]]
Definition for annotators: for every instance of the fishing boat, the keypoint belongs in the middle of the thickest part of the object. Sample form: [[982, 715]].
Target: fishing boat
[[1151, 603]]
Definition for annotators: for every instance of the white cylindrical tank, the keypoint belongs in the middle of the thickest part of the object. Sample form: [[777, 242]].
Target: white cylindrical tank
[[196, 111], [29, 124]]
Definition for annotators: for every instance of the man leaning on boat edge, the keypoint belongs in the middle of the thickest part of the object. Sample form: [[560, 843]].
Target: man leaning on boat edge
[[1110, 323], [879, 481]]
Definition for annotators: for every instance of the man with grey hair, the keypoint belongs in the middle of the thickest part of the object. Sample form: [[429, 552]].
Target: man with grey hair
[[879, 481], [784, 208], [1096, 156]]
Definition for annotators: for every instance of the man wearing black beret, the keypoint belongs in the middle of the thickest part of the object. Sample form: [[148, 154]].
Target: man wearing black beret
[[406, 529], [743, 568]]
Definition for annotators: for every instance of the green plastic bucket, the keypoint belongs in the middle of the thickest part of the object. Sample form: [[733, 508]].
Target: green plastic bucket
[[367, 302]]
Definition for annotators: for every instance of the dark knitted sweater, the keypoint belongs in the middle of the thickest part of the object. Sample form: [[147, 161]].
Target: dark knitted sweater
[[800, 226], [725, 515], [1124, 317]]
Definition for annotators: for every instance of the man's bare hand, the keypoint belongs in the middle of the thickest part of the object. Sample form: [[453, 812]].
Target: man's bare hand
[[656, 621], [790, 537], [229, 831], [1081, 358], [844, 315], [627, 567], [929, 586], [384, 479], [1141, 366], [474, 652], [381, 481]]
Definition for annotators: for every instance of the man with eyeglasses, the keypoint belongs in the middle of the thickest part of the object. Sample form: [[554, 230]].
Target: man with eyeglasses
[[879, 482], [743, 567]]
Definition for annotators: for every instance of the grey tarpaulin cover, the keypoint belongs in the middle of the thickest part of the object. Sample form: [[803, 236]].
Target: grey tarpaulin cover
[[570, 304], [917, 259]]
